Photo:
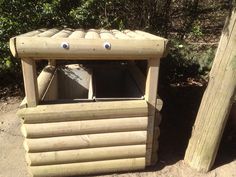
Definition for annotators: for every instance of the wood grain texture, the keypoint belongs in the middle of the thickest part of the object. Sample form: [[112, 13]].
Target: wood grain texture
[[30, 82], [47, 33], [151, 98], [92, 34], [88, 168], [105, 34], [44, 79], [48, 48], [79, 33], [84, 127], [62, 34], [216, 103], [85, 155], [85, 141], [51, 92], [83, 111]]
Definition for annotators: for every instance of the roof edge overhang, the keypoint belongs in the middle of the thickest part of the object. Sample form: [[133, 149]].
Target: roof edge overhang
[[88, 49]]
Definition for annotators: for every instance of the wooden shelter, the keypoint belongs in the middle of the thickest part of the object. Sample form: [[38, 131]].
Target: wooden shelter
[[98, 115]]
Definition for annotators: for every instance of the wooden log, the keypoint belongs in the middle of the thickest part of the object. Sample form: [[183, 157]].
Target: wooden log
[[84, 127], [44, 79], [92, 34], [156, 134], [52, 62], [216, 103], [88, 168], [134, 35], [63, 33], [85, 141], [51, 92], [151, 97], [48, 33], [148, 35], [85, 155], [119, 35], [140, 80], [33, 33], [78, 33], [30, 82], [85, 49], [83, 111], [105, 34]]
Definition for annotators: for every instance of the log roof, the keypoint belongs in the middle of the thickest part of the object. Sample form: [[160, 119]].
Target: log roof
[[88, 44]]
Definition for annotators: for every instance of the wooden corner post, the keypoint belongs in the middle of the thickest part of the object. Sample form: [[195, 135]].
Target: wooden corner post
[[216, 103], [150, 96], [30, 81]]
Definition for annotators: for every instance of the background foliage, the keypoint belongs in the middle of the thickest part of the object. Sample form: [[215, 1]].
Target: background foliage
[[190, 25]]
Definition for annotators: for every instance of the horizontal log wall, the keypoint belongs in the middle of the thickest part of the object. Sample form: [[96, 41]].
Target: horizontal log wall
[[72, 169], [85, 155], [85, 141], [43, 130], [83, 111]]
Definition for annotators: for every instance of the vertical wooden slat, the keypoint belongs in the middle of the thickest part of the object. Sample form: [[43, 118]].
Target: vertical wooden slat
[[150, 96], [30, 81]]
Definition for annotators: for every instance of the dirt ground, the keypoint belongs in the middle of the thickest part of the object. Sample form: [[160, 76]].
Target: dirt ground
[[175, 131]]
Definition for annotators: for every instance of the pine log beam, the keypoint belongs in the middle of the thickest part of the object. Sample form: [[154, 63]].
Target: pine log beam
[[88, 168], [79, 48], [85, 141], [150, 97], [83, 127], [83, 111], [216, 102], [85, 155]]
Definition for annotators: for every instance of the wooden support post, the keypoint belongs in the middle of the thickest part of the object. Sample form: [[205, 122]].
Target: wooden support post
[[52, 62], [30, 81], [150, 96], [216, 103]]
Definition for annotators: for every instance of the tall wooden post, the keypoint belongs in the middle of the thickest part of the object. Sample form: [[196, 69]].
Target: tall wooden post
[[216, 102], [150, 96]]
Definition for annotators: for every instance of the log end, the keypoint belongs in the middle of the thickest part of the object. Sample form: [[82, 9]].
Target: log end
[[23, 131], [13, 47], [27, 158], [26, 147]]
